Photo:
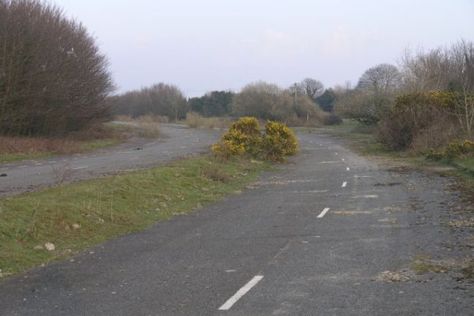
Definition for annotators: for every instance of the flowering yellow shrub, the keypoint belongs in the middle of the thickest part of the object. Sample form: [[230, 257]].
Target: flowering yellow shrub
[[279, 141], [225, 149], [245, 138], [453, 150]]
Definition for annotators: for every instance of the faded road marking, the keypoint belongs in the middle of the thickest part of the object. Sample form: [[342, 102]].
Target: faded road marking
[[367, 196], [237, 296], [82, 167], [348, 169], [331, 161], [324, 212], [344, 184]]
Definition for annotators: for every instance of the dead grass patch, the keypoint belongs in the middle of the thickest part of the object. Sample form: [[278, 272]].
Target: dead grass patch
[[14, 148], [195, 120], [462, 223], [394, 276]]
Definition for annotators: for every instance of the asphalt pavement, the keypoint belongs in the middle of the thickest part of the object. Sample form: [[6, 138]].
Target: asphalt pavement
[[176, 141], [329, 233]]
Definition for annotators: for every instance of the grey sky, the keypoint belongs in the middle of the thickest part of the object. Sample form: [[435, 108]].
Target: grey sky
[[224, 44]]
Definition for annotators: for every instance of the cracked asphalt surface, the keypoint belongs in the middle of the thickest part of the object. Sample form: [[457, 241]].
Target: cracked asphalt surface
[[333, 265], [177, 141]]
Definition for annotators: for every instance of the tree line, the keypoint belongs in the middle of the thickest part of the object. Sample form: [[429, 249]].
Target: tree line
[[426, 102], [299, 103]]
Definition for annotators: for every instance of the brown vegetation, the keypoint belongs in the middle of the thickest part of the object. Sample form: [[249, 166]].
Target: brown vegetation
[[427, 104], [53, 79], [159, 100], [195, 120]]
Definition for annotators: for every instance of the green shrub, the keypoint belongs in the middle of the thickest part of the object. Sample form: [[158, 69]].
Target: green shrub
[[413, 115]]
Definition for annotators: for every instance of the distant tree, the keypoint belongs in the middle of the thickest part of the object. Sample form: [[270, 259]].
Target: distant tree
[[160, 99], [261, 100], [168, 100], [326, 100], [53, 78], [312, 87], [215, 103], [375, 93], [270, 102], [380, 80]]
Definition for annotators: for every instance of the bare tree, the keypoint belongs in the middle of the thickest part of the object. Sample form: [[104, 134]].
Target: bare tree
[[381, 79], [52, 77], [262, 100], [312, 87], [445, 69], [463, 56], [160, 99], [268, 101]]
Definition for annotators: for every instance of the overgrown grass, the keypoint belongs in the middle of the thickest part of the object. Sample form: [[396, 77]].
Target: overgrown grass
[[76, 216], [465, 165], [21, 148], [194, 120], [363, 139], [97, 137]]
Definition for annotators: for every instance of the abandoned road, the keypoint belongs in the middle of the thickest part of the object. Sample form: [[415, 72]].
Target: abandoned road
[[177, 141], [330, 233]]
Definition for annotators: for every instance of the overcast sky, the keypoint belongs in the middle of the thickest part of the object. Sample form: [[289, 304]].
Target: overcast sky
[[204, 45]]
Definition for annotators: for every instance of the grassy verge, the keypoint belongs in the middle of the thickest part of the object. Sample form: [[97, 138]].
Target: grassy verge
[[76, 216], [363, 140]]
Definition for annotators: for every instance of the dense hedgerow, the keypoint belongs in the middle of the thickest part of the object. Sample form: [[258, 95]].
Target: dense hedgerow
[[245, 138]]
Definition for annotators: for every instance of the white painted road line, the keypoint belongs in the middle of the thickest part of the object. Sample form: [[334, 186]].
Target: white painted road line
[[79, 168], [323, 212], [348, 169], [344, 184], [237, 296], [367, 196]]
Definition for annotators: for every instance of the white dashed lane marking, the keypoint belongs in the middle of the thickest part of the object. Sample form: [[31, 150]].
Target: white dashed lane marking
[[238, 295], [324, 212]]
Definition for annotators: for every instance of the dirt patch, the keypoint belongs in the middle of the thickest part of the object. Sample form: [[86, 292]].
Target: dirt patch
[[395, 276], [462, 223], [462, 269]]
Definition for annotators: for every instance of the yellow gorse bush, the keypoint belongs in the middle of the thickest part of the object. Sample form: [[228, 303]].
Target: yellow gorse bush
[[245, 138], [279, 141], [453, 150]]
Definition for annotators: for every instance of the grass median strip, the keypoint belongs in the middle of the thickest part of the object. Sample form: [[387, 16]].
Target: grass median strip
[[39, 227]]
